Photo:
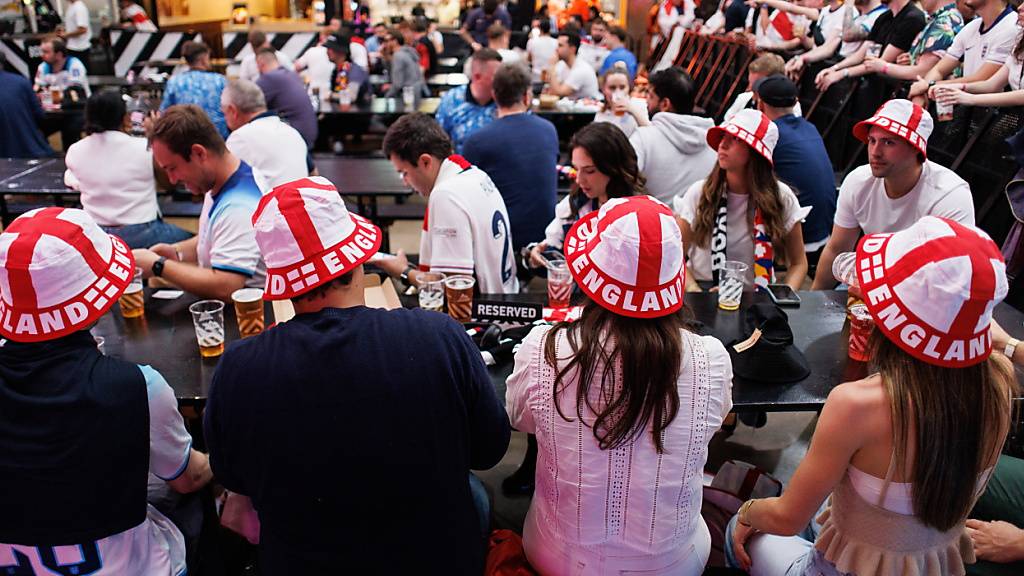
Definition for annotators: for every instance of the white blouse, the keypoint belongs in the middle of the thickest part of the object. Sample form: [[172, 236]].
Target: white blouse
[[628, 507]]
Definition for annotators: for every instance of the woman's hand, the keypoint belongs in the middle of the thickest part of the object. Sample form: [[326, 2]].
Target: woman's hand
[[952, 96], [996, 541], [875, 65], [740, 535]]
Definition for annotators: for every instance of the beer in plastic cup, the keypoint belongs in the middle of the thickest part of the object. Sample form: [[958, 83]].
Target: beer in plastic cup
[[559, 284], [409, 98], [861, 325], [248, 311], [208, 317], [458, 290], [620, 97], [943, 111], [731, 280], [56, 96], [132, 302], [431, 291]]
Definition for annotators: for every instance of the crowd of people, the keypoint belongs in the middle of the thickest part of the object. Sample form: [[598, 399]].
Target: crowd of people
[[317, 422]]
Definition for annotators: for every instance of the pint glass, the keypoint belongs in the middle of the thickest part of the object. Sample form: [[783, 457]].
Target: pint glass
[[459, 291], [248, 311]]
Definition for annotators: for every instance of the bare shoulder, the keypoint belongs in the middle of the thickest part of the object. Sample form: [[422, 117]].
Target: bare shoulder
[[859, 399]]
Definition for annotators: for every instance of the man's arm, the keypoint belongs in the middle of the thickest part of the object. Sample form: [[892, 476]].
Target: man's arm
[[196, 475], [842, 240], [940, 70], [464, 32], [203, 282], [556, 86]]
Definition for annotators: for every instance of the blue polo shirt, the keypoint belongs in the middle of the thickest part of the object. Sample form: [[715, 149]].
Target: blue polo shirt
[[802, 162], [620, 54]]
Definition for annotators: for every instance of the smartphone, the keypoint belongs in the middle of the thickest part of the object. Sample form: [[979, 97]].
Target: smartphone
[[783, 295]]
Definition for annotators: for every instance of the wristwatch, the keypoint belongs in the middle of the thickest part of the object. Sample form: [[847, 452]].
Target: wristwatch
[[1011, 347], [158, 267], [405, 273]]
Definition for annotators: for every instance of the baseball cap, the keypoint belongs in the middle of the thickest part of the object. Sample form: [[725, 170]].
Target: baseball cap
[[776, 90]]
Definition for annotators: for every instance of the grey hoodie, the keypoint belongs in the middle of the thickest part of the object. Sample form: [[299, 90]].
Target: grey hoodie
[[405, 71], [673, 153]]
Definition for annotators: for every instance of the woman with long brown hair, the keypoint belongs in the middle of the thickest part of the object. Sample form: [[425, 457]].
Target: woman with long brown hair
[[605, 165], [623, 403], [741, 211], [905, 452], [618, 107]]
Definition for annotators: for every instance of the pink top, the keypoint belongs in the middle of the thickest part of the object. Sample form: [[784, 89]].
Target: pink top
[[632, 505]]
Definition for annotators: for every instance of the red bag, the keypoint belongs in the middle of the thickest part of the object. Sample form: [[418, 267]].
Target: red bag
[[505, 556]]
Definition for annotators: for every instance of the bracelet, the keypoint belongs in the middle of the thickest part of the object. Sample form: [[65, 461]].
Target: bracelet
[[177, 252], [744, 511], [846, 73], [885, 68]]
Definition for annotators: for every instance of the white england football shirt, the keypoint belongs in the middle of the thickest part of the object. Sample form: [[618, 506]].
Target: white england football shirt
[[974, 45], [466, 229]]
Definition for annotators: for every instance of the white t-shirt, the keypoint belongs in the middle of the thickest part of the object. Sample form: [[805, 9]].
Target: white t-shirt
[[554, 233], [319, 68], [113, 197], [77, 16], [226, 239], [593, 54], [627, 123], [72, 74], [581, 78], [509, 56], [864, 204], [360, 55], [466, 230], [137, 16], [275, 150], [830, 22], [668, 16], [155, 546], [249, 71], [974, 46], [541, 50], [739, 228]]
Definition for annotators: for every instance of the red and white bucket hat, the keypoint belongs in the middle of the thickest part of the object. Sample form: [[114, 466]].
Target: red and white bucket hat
[[904, 119], [59, 273], [750, 126], [931, 289], [308, 237], [628, 257]]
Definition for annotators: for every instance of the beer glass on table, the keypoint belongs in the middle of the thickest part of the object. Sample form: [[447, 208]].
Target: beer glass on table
[[458, 290], [208, 317], [431, 295], [731, 280], [132, 302], [248, 311]]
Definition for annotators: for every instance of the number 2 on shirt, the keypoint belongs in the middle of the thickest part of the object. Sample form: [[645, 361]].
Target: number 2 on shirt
[[90, 563], [499, 228]]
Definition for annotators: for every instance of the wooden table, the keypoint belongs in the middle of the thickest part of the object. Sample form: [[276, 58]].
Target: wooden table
[[165, 339]]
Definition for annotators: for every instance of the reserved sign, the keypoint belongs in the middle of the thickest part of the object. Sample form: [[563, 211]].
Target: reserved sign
[[510, 312]]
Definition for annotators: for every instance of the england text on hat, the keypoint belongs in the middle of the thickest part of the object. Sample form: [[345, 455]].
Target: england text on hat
[[329, 264], [911, 332], [76, 310], [614, 294]]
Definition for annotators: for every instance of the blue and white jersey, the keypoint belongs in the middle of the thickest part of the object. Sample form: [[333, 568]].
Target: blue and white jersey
[[72, 74], [227, 240], [154, 547]]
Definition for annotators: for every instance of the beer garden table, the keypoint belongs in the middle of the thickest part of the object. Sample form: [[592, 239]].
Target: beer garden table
[[165, 339]]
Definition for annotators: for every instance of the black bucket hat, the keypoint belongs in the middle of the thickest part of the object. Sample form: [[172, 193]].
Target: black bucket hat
[[772, 358]]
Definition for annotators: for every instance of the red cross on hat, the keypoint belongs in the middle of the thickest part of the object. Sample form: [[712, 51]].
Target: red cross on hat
[[931, 289], [751, 127], [902, 118], [628, 257], [59, 272], [308, 237]]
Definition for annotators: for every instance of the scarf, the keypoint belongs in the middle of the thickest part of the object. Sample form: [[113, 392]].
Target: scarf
[[764, 268]]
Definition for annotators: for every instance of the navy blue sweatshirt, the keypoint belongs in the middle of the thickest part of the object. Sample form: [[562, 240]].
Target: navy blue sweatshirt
[[353, 431]]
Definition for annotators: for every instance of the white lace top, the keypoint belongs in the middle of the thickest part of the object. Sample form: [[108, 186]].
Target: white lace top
[[629, 502]]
